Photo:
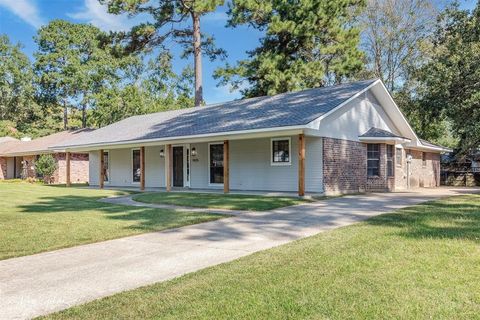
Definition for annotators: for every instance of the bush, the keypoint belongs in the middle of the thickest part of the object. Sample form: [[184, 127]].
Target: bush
[[46, 166]]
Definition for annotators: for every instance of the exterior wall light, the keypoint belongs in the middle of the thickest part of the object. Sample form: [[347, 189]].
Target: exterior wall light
[[194, 152], [162, 153]]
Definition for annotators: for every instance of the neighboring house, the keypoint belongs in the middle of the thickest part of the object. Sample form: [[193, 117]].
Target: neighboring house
[[339, 139], [17, 157]]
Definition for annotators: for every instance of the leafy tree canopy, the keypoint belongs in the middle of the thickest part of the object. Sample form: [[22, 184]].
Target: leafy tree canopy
[[448, 85], [307, 43]]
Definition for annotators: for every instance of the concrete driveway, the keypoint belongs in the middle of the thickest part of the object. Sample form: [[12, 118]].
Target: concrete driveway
[[46, 282]]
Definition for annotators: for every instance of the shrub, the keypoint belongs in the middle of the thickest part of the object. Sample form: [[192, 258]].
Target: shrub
[[46, 166]]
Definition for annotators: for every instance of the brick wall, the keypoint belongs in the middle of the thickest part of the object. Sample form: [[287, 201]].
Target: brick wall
[[3, 168], [30, 166], [78, 168], [344, 166], [420, 175]]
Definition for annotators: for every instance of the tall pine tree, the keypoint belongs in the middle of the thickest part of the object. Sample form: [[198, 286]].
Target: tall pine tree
[[307, 43]]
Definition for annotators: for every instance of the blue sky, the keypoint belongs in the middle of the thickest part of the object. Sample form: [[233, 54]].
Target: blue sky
[[19, 19]]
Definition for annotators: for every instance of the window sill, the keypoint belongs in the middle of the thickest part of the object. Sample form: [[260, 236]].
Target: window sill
[[280, 164]]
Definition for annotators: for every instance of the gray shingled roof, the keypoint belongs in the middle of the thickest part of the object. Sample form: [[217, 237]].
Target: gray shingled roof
[[429, 144], [288, 109], [379, 133]]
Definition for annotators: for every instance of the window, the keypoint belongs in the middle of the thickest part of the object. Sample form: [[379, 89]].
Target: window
[[424, 159], [390, 172], [136, 165], [281, 151], [106, 177], [398, 154], [216, 163], [373, 160]]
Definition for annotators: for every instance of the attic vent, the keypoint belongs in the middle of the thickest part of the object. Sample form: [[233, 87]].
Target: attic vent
[[26, 139]]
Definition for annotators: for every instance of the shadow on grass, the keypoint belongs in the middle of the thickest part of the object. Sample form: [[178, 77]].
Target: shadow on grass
[[142, 218], [453, 218]]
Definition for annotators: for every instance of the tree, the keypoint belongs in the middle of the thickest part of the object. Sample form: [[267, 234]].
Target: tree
[[46, 166], [148, 88], [307, 44], [394, 35], [16, 86], [169, 19], [448, 85], [73, 63]]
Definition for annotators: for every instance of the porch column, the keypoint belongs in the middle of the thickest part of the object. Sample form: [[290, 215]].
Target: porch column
[[226, 169], [169, 167], [102, 165], [301, 165], [142, 168], [67, 160]]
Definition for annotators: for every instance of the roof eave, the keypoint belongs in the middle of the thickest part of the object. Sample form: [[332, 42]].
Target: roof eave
[[397, 140], [170, 140]]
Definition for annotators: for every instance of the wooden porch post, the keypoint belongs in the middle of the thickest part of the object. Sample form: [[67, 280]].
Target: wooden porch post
[[67, 159], [226, 165], [142, 168], [169, 167], [301, 165], [102, 164]]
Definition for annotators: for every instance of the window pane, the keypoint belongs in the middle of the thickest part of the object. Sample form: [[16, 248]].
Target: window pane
[[280, 151], [390, 168], [216, 163], [373, 159], [136, 165]]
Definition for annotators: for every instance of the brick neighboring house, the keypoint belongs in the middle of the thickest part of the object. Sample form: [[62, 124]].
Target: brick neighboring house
[[339, 139], [17, 157]]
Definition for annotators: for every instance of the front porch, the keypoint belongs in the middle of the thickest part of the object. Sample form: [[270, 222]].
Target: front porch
[[290, 164]]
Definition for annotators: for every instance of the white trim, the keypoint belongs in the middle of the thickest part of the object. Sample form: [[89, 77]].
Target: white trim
[[188, 162], [384, 139], [131, 165], [208, 165], [275, 164]]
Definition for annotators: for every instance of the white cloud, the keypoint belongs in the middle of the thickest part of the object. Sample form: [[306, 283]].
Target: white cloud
[[224, 93], [24, 9], [95, 13]]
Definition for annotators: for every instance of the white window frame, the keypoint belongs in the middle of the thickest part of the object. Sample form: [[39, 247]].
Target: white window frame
[[109, 175], [272, 163], [131, 165], [208, 165]]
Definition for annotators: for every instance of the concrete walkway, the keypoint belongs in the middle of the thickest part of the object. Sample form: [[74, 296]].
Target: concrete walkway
[[128, 201], [47, 282]]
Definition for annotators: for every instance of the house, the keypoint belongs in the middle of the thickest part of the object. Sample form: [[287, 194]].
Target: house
[[17, 157], [339, 139]]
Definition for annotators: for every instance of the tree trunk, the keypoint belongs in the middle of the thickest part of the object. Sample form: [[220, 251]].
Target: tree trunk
[[197, 53], [65, 115], [84, 116]]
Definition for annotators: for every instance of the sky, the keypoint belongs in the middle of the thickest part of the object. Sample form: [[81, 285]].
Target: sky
[[20, 19]]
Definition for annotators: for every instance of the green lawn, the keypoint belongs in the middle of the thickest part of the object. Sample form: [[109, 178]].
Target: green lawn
[[36, 218], [215, 200], [422, 262]]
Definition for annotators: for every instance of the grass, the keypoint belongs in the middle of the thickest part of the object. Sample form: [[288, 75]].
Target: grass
[[221, 201], [421, 262], [36, 218]]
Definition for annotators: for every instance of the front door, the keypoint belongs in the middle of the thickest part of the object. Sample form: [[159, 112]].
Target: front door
[[178, 166]]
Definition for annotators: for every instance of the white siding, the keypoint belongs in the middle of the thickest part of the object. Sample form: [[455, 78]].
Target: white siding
[[154, 167], [356, 118], [250, 167], [93, 168]]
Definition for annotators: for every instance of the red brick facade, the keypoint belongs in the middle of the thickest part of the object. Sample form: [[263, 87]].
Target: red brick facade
[[345, 168], [78, 167]]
